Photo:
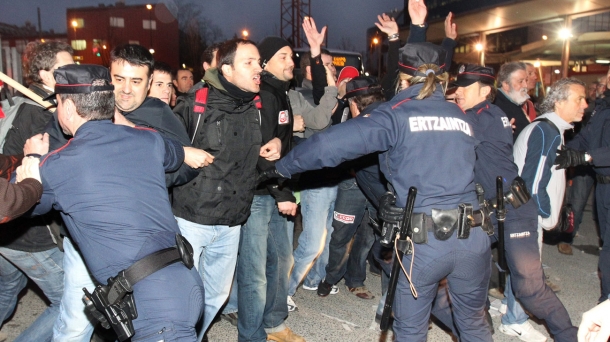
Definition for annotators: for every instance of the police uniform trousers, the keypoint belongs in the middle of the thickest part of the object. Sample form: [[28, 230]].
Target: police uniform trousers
[[169, 304], [466, 265], [602, 198]]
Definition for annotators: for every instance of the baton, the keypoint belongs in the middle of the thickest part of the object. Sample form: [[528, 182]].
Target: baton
[[500, 216], [25, 91], [405, 231]]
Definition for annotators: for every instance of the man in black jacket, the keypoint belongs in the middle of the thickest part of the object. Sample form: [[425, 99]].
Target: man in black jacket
[[27, 247], [512, 95], [265, 254], [212, 207]]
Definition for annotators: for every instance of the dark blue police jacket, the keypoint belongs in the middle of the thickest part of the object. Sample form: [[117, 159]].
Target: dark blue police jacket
[[594, 138], [108, 183], [427, 144], [495, 156]]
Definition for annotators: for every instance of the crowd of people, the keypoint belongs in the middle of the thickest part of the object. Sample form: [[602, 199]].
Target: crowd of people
[[154, 205]]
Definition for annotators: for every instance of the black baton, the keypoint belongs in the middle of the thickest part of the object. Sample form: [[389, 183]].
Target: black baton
[[500, 216], [405, 231]]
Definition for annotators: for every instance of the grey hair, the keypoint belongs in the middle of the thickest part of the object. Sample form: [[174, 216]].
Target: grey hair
[[560, 91], [507, 69]]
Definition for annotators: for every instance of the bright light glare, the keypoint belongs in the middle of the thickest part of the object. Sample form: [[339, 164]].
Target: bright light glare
[[479, 47], [537, 64], [557, 71], [565, 33], [375, 41]]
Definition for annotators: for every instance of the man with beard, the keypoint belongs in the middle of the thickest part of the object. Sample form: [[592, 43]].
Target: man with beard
[[512, 94]]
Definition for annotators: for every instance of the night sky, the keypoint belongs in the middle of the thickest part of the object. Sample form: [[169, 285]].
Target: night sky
[[345, 18]]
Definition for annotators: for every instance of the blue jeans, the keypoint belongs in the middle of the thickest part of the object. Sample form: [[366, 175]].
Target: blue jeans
[[72, 324], [349, 222], [317, 207], [45, 269], [215, 251], [265, 258], [526, 283]]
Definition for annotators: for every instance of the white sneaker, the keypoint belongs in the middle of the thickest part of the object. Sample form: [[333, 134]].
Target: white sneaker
[[291, 304], [310, 288], [525, 332]]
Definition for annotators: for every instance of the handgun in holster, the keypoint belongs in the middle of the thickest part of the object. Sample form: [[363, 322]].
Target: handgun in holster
[[113, 306], [486, 209]]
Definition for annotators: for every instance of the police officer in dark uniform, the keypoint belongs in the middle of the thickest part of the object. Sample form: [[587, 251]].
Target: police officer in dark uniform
[[492, 128], [592, 146], [108, 183], [426, 143]]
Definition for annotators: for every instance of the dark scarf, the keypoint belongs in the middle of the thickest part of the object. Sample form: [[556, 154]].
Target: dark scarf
[[234, 91]]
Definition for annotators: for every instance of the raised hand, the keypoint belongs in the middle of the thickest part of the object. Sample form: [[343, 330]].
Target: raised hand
[[314, 38], [387, 24], [417, 11], [450, 27]]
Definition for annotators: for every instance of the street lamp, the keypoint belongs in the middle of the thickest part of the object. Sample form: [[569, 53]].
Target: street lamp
[[150, 27], [377, 42], [245, 34]]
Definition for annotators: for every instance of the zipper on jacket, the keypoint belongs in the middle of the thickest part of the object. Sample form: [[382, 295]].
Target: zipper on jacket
[[219, 132]]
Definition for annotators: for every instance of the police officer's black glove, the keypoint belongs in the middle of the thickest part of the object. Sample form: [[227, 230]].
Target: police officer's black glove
[[268, 174], [569, 157], [388, 211]]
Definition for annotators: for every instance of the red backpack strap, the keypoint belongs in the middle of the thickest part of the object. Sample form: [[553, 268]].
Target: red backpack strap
[[257, 102], [201, 100], [199, 107]]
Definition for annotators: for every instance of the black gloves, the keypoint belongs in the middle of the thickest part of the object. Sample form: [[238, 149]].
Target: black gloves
[[569, 157], [268, 174], [388, 211]]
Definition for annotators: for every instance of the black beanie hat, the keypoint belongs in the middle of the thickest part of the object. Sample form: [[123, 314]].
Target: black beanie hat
[[269, 46]]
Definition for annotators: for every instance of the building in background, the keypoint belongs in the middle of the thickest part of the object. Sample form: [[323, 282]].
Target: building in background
[[94, 31], [561, 37]]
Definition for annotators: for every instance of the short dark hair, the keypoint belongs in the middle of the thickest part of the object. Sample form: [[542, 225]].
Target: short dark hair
[[175, 72], [133, 54], [208, 53], [492, 92], [162, 67], [324, 51], [375, 95], [226, 52], [97, 105], [42, 56], [506, 71]]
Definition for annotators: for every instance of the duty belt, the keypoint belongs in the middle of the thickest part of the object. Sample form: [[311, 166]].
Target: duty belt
[[602, 179], [444, 222], [113, 304]]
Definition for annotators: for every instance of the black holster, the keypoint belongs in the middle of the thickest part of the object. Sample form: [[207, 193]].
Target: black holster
[[113, 304], [517, 195]]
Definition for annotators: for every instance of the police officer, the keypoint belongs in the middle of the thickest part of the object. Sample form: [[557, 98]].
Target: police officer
[[492, 128], [592, 146], [426, 143], [108, 183]]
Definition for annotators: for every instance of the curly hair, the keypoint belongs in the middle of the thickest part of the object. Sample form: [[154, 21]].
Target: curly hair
[[42, 56], [560, 91]]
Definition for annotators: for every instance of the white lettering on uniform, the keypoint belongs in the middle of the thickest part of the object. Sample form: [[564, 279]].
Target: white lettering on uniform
[[519, 235], [505, 122], [436, 123]]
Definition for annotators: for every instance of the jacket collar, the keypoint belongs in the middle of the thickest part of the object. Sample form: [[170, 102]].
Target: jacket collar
[[561, 124], [273, 81]]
